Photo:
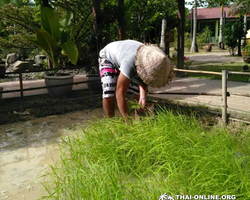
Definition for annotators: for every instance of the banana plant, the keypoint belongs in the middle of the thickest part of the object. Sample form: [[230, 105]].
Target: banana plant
[[55, 36]]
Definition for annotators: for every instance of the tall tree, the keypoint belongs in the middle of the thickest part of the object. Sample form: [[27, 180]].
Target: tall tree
[[163, 32], [221, 43], [181, 21], [194, 46]]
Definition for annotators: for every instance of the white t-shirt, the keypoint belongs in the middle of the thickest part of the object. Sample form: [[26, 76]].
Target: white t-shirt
[[122, 55]]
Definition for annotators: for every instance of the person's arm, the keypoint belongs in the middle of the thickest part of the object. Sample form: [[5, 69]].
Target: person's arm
[[121, 90], [143, 93]]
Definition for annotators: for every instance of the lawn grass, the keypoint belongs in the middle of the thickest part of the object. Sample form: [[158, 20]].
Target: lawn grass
[[165, 153], [214, 66], [218, 67]]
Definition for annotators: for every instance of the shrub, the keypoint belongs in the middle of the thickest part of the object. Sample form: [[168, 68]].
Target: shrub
[[205, 36], [232, 32], [247, 49]]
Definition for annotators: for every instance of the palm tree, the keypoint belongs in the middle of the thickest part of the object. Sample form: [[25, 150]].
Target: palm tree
[[221, 43], [181, 20], [163, 32], [194, 46]]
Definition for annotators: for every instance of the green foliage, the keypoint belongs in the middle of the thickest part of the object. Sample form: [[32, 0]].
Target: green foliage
[[168, 152], [142, 16], [16, 24], [55, 36], [247, 49], [205, 36], [232, 31], [84, 37], [133, 105], [17, 3], [142, 20], [214, 3], [187, 40]]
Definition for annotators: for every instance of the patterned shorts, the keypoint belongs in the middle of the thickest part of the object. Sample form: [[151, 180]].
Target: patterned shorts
[[109, 75]]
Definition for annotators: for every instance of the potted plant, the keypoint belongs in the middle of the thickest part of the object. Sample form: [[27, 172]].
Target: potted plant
[[246, 53], [55, 39]]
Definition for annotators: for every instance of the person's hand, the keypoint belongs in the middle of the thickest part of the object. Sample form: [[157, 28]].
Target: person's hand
[[142, 102]]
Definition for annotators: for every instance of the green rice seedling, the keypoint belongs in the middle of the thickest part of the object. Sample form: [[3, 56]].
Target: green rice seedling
[[166, 153]]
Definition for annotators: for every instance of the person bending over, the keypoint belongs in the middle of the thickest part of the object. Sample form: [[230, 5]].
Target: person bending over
[[129, 65]]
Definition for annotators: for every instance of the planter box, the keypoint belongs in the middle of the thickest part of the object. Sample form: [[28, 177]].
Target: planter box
[[60, 91], [1, 89], [2, 70], [95, 86]]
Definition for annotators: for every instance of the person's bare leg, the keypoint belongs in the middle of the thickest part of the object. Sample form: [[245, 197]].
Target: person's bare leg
[[109, 106]]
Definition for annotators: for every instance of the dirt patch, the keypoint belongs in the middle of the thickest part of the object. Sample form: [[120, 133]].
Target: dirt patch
[[32, 107]]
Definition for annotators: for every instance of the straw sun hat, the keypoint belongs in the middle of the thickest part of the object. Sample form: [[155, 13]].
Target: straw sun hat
[[153, 66]]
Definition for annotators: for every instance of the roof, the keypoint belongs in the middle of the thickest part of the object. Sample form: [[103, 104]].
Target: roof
[[211, 13]]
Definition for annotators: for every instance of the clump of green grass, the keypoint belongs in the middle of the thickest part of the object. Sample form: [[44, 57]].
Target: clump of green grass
[[218, 67], [166, 153]]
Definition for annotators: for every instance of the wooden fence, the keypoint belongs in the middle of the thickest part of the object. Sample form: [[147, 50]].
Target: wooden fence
[[224, 75]]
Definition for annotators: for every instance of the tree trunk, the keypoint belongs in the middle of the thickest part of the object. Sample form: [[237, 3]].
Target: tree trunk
[[181, 22], [163, 32], [245, 31], [239, 47], [240, 43], [96, 9], [194, 46], [121, 20], [45, 3], [221, 43]]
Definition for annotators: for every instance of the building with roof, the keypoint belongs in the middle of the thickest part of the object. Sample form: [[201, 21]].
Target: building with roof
[[211, 17]]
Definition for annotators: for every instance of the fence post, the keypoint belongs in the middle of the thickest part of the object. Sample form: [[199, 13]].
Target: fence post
[[21, 89], [224, 96]]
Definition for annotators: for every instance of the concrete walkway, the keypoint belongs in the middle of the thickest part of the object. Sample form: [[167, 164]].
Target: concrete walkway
[[238, 106]]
